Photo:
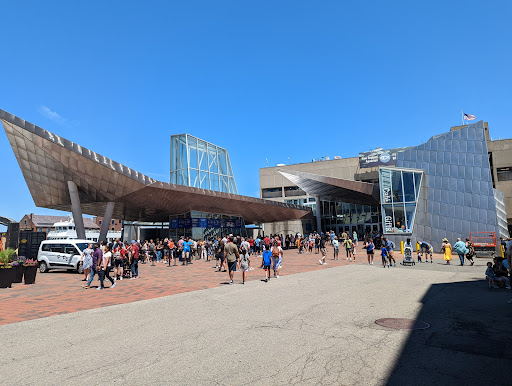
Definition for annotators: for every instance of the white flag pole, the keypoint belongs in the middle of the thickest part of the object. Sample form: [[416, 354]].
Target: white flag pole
[[462, 116]]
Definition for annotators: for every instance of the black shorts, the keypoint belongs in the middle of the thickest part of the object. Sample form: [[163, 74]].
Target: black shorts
[[370, 252], [232, 266], [118, 263], [266, 267]]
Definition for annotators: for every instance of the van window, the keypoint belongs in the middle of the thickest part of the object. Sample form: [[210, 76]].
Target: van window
[[70, 249], [46, 247], [81, 246], [56, 248]]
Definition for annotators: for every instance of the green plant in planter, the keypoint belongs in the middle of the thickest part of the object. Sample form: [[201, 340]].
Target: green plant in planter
[[7, 255]]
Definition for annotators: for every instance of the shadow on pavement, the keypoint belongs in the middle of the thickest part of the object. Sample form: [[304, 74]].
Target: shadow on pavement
[[469, 340]]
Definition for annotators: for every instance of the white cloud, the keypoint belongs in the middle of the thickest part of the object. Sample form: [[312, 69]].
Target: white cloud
[[53, 115]]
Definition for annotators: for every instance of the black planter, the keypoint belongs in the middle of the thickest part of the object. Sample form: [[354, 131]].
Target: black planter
[[30, 274], [18, 273], [6, 277]]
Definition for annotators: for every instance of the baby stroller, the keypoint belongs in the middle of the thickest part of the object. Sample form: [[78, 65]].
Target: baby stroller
[[408, 258]]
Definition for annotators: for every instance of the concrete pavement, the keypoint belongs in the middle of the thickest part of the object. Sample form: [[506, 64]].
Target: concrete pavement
[[307, 328]]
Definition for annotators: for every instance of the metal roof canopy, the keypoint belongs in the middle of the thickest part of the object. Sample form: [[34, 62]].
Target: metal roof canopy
[[48, 162], [336, 189]]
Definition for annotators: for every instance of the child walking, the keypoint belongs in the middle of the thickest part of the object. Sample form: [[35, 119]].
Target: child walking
[[245, 263], [385, 254]]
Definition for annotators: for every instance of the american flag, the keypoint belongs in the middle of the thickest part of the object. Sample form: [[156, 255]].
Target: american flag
[[469, 117]]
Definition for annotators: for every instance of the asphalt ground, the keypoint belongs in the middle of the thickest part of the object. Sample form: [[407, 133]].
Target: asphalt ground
[[315, 327]]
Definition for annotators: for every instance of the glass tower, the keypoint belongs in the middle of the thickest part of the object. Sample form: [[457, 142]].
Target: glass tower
[[200, 164]]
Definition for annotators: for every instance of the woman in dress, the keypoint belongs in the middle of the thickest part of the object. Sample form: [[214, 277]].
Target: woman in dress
[[447, 251], [87, 261]]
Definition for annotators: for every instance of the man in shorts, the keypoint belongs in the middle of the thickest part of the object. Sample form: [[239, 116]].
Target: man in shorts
[[426, 250], [231, 255]]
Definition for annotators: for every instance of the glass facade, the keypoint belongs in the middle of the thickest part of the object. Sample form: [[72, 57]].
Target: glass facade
[[342, 216], [200, 164], [399, 192]]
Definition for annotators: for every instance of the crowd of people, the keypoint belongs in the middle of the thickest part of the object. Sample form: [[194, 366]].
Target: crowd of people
[[234, 253], [231, 254]]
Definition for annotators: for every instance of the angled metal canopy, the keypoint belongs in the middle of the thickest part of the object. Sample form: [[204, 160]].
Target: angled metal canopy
[[336, 189], [59, 172]]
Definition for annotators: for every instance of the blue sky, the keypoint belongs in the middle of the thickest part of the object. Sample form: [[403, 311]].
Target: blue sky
[[265, 79]]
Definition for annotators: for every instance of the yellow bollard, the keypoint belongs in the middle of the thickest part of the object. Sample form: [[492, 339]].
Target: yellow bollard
[[402, 247], [417, 246]]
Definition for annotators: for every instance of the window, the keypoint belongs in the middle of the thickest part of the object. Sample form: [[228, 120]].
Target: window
[[271, 192], [24, 222], [293, 191], [399, 195], [504, 174], [113, 222], [100, 222]]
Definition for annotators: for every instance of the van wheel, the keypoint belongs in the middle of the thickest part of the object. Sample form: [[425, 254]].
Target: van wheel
[[43, 267]]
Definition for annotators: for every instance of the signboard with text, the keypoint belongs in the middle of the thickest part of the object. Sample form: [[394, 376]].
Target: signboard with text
[[379, 157]]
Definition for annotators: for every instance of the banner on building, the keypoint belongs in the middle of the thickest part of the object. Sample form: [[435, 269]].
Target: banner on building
[[379, 157]]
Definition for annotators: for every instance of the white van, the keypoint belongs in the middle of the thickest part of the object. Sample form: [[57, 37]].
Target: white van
[[61, 254]]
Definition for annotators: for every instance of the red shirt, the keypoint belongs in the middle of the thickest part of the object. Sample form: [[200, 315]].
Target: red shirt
[[251, 242], [135, 251], [267, 240]]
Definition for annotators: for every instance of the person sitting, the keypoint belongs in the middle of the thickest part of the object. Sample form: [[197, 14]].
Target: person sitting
[[501, 273]]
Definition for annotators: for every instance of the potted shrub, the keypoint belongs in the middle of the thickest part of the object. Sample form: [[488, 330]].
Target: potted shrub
[[6, 271], [19, 269], [30, 271]]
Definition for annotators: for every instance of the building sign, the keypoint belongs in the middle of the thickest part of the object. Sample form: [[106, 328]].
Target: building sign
[[379, 157]]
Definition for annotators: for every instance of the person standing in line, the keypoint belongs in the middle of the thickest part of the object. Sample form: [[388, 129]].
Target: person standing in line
[[159, 251], [471, 251], [186, 252], [231, 255], [245, 263], [277, 258], [266, 262], [104, 268], [172, 252], [460, 249], [96, 262], [446, 249], [87, 261], [369, 246], [336, 246], [134, 263], [323, 250], [166, 251], [119, 253]]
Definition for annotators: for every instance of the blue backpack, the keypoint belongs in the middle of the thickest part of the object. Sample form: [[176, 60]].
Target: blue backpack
[[267, 258]]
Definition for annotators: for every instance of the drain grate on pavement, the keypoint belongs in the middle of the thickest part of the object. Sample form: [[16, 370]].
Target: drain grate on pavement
[[402, 324]]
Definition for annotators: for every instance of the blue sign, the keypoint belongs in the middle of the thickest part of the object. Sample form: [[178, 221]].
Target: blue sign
[[203, 223], [174, 223], [195, 222]]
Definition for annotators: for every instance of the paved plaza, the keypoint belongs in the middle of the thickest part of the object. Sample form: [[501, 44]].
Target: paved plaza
[[314, 325]]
